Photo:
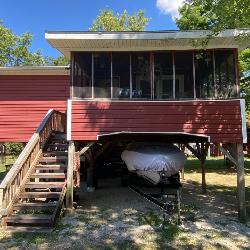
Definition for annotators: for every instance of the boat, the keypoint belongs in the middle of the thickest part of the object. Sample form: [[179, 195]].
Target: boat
[[153, 160]]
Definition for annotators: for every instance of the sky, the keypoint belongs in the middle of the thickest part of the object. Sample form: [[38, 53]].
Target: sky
[[37, 16]]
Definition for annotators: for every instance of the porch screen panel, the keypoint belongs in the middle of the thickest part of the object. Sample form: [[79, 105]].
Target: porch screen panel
[[184, 79], [163, 75], [204, 79], [225, 77], [102, 75], [141, 80], [82, 83], [121, 75]]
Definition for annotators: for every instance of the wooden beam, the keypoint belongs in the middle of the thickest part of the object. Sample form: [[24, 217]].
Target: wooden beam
[[102, 149], [227, 152], [70, 187], [86, 148], [193, 151], [241, 183]]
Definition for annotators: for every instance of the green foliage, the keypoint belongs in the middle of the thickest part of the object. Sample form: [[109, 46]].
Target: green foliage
[[13, 148], [59, 61], [194, 17], [214, 15], [245, 92], [15, 50], [108, 21], [244, 59]]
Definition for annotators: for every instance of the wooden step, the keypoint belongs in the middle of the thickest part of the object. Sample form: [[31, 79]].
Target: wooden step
[[30, 219], [48, 175], [48, 195], [54, 159], [55, 153], [51, 167], [35, 206], [59, 136], [29, 229], [45, 184], [62, 145]]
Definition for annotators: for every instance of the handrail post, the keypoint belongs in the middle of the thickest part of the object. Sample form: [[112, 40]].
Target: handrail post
[[1, 200], [70, 187]]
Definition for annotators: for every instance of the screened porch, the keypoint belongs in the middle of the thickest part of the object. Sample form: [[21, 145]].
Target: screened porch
[[159, 75]]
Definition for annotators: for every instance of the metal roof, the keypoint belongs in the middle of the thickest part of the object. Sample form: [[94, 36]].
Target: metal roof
[[168, 137], [35, 70]]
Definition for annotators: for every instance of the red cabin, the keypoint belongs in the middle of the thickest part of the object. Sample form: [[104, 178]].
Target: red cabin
[[133, 86]]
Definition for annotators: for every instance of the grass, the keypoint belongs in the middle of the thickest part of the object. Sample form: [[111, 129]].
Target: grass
[[219, 178], [9, 159]]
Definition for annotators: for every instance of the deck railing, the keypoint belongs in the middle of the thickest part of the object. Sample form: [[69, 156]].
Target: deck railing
[[14, 181]]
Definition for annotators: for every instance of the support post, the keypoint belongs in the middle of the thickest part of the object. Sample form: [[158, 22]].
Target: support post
[[90, 171], [203, 177], [203, 155], [70, 187], [241, 183]]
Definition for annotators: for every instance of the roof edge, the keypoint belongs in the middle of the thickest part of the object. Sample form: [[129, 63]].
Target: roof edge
[[35, 70]]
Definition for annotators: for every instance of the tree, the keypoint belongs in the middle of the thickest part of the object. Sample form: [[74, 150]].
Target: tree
[[216, 16], [15, 50], [108, 21], [59, 61]]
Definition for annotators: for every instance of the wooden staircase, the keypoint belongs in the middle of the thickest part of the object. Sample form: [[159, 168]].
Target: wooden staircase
[[35, 204], [40, 201]]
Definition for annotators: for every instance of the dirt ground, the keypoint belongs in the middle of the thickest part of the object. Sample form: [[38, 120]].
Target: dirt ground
[[114, 217]]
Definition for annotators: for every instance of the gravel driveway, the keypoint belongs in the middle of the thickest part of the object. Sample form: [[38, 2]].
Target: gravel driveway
[[114, 217]]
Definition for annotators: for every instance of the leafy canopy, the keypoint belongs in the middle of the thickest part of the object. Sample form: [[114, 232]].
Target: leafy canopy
[[15, 50], [217, 15], [108, 21], [214, 14]]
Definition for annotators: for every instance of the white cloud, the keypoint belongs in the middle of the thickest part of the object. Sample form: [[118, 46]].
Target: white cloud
[[169, 7]]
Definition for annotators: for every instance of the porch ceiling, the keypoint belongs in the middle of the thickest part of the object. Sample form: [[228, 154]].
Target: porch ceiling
[[67, 41], [171, 137]]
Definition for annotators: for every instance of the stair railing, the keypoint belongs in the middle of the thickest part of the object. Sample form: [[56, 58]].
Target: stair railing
[[14, 181]]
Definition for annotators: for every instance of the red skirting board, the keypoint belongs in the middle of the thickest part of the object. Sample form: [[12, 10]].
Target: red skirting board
[[221, 120]]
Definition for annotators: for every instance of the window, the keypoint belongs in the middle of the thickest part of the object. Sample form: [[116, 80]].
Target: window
[[163, 75], [121, 75], [204, 79], [102, 75], [184, 81], [225, 79], [82, 75], [141, 79]]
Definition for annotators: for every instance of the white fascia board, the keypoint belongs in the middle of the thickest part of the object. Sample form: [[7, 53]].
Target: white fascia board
[[69, 119], [243, 119], [142, 35]]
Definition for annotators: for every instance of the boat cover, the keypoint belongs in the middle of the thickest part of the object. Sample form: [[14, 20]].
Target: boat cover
[[154, 157]]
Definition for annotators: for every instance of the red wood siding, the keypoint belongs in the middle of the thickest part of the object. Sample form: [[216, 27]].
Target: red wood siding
[[24, 100], [36, 87], [221, 120]]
